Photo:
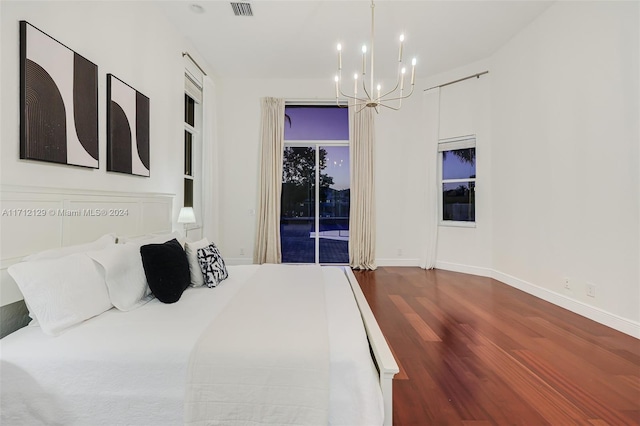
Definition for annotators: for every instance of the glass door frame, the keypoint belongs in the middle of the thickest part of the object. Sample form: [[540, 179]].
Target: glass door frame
[[316, 144]]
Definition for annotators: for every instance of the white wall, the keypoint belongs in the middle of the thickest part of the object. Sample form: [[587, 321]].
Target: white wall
[[128, 39], [465, 110], [565, 142], [398, 170]]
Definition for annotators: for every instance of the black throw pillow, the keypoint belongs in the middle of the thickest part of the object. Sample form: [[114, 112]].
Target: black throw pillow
[[167, 270]]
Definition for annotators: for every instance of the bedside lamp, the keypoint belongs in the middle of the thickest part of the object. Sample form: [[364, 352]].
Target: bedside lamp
[[186, 216]]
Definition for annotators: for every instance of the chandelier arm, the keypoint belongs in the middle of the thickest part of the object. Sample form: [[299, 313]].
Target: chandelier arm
[[340, 84], [397, 83], [342, 93], [390, 91], [349, 96], [366, 92], [355, 98], [401, 97], [360, 110], [390, 107]]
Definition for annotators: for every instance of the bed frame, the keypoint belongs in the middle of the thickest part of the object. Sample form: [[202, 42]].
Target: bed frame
[[382, 356], [146, 213]]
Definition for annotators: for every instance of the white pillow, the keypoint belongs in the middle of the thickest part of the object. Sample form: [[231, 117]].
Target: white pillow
[[197, 279], [62, 292], [153, 239], [55, 253], [124, 275]]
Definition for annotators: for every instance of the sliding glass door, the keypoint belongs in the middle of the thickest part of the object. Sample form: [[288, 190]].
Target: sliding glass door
[[314, 221], [298, 206], [333, 203]]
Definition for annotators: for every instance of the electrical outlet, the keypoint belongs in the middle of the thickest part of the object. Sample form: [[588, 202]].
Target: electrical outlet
[[241, 252], [399, 252], [567, 283], [591, 290]]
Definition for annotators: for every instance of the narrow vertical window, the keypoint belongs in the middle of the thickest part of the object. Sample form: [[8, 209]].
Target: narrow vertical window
[[189, 131], [192, 144], [458, 180]]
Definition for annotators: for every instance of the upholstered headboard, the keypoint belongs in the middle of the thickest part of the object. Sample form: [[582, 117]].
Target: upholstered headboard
[[35, 219]]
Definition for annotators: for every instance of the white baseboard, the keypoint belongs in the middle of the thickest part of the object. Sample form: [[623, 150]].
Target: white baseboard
[[598, 315], [466, 269], [398, 262]]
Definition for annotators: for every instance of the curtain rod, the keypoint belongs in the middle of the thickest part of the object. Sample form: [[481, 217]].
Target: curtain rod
[[194, 61], [310, 102], [459, 80]]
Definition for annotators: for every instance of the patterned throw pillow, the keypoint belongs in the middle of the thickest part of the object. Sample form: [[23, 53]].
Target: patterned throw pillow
[[212, 265]]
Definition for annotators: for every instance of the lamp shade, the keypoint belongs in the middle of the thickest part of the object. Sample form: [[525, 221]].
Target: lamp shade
[[187, 215]]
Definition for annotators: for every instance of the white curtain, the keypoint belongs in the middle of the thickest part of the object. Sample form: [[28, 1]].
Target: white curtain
[[267, 245], [362, 218], [431, 111]]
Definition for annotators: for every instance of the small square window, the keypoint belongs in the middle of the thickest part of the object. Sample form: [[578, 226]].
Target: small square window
[[459, 202], [189, 111], [459, 164], [188, 192]]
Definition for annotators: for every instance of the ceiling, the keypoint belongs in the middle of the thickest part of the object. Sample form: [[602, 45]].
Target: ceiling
[[297, 39]]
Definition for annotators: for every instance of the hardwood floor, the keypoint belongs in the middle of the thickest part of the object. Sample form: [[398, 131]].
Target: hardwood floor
[[474, 351]]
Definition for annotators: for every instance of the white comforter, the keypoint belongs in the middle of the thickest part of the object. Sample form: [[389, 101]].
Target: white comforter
[[265, 359], [130, 367]]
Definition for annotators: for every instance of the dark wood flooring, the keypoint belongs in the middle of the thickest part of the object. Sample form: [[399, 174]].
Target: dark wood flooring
[[474, 351]]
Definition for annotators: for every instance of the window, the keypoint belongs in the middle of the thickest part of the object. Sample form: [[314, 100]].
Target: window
[[192, 144], [314, 219], [458, 180]]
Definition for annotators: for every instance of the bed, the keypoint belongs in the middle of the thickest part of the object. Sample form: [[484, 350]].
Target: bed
[[147, 365]]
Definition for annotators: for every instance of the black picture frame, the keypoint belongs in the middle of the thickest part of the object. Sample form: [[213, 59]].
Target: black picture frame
[[127, 129], [58, 102]]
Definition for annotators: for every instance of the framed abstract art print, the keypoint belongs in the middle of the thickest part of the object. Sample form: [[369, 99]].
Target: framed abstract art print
[[58, 102]]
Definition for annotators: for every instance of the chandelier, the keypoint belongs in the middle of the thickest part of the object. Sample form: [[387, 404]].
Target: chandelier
[[391, 99]]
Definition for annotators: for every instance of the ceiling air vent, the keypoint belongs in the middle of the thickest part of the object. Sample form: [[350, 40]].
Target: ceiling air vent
[[242, 9]]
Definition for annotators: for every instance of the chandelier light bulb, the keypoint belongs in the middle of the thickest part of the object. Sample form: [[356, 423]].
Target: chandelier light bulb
[[413, 71], [401, 38], [339, 47], [364, 48]]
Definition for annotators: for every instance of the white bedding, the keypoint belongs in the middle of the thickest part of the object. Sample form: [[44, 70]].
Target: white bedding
[[130, 367], [265, 357]]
